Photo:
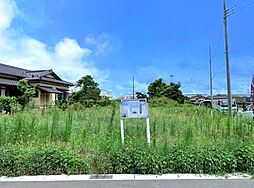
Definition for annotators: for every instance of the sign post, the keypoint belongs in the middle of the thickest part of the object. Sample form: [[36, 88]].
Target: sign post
[[148, 130], [122, 131], [134, 108]]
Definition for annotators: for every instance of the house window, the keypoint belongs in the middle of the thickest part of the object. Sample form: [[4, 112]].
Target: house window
[[60, 96], [66, 96], [2, 91], [36, 95]]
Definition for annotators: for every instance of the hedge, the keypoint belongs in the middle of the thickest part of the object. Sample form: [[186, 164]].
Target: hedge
[[18, 160], [8, 104], [42, 160]]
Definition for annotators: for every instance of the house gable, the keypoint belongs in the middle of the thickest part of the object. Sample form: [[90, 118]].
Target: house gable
[[46, 76]]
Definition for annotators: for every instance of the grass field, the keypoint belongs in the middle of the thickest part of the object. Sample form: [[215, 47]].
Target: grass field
[[88, 140]]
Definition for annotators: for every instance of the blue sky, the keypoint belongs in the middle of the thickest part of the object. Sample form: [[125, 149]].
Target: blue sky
[[116, 39]]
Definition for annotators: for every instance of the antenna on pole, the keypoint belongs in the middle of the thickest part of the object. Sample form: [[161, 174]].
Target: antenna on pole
[[172, 76], [211, 78], [133, 86]]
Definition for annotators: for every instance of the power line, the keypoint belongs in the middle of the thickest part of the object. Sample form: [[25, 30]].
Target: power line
[[238, 3], [239, 7], [218, 68]]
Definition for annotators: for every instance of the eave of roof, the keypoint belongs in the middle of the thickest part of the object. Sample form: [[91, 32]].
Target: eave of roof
[[48, 89], [57, 81], [50, 80], [9, 82]]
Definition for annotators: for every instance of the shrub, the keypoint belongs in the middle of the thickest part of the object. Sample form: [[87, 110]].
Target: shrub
[[41, 160], [55, 160], [163, 101], [244, 157], [182, 159], [123, 161], [12, 161], [88, 103], [210, 160], [104, 102], [27, 92], [8, 104], [61, 104]]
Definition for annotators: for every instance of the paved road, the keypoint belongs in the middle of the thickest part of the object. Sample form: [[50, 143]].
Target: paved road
[[133, 183]]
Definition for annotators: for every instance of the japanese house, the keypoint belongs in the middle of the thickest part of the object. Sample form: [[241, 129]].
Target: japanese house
[[49, 87]]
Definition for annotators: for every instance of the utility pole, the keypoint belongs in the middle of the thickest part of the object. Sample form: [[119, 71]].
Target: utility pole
[[133, 89], [211, 78], [227, 60]]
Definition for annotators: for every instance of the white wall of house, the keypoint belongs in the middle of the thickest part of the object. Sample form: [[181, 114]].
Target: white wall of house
[[106, 94]]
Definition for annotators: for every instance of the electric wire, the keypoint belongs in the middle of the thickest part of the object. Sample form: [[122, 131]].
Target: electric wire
[[218, 68], [236, 4], [237, 8]]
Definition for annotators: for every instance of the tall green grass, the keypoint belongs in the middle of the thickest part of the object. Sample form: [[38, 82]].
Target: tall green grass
[[95, 132], [84, 125]]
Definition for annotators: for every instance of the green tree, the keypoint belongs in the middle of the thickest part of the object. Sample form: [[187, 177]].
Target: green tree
[[156, 88], [172, 91], [140, 95], [89, 90], [159, 88], [27, 92]]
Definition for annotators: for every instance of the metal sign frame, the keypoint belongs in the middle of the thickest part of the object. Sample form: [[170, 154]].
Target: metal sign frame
[[135, 115]]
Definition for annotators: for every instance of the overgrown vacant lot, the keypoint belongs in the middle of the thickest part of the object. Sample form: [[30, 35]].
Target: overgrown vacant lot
[[87, 140]]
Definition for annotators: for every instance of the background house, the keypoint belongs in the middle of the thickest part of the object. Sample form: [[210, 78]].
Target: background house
[[197, 99], [108, 94], [128, 96], [240, 99], [49, 87]]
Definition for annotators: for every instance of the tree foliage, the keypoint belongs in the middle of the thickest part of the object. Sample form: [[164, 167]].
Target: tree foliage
[[172, 91], [27, 92], [89, 90], [156, 88], [159, 88], [140, 95], [8, 104]]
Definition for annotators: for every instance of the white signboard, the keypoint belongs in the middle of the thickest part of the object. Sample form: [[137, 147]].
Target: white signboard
[[135, 108]]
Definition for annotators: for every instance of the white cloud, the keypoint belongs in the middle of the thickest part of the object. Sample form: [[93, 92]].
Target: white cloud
[[68, 49], [102, 43], [90, 40], [67, 59], [8, 10]]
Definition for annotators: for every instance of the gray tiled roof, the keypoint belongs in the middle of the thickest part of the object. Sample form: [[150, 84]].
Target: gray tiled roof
[[10, 70], [31, 75], [10, 82], [37, 74]]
